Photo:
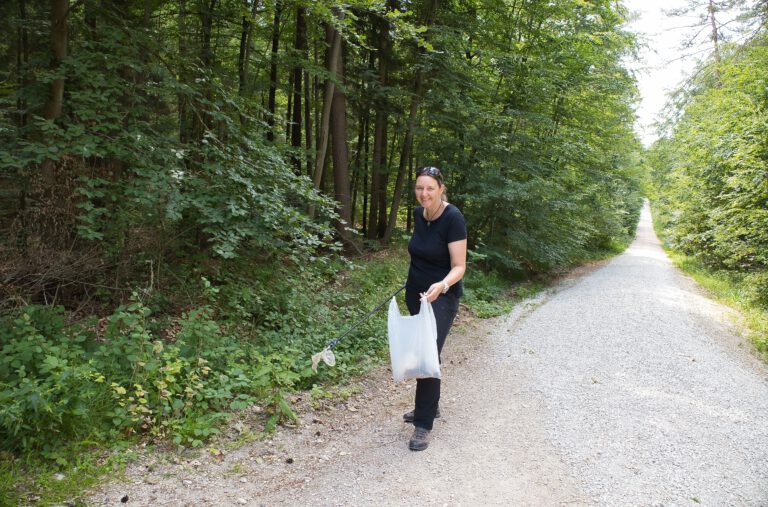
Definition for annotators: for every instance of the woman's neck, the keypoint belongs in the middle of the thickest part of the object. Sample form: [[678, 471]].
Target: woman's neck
[[431, 214]]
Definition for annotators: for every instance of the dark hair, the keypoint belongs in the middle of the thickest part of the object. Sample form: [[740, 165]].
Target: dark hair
[[430, 171]]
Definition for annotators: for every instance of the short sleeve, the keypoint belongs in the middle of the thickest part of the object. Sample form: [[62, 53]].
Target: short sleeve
[[457, 230]]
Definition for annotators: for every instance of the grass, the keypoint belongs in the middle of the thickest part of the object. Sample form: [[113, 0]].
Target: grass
[[494, 300], [44, 483], [728, 288]]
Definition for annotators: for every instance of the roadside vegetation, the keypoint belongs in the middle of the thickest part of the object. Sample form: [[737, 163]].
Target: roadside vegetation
[[708, 176]]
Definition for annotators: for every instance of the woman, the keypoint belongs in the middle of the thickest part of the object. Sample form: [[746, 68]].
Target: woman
[[438, 251]]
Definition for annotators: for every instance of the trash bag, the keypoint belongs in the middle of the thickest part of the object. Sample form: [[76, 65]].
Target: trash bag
[[413, 343], [326, 355]]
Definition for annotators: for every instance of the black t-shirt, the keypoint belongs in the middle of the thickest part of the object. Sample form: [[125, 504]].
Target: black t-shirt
[[430, 258]]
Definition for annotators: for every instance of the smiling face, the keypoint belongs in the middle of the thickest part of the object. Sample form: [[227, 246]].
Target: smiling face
[[428, 192]]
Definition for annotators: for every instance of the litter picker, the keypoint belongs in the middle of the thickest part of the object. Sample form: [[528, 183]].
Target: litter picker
[[326, 355]]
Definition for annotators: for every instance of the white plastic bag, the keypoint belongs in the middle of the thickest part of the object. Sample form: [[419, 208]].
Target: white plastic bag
[[413, 343]]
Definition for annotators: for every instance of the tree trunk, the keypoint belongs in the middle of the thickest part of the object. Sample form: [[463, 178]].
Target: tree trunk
[[341, 154], [59, 39], [409, 215], [244, 55], [246, 48], [301, 47], [378, 176], [203, 120], [366, 193], [146, 22], [367, 151], [206, 18], [90, 11], [271, 106], [241, 57], [21, 181], [183, 101], [55, 103], [308, 121], [712, 8], [22, 60], [363, 127], [405, 154], [288, 109], [334, 54]]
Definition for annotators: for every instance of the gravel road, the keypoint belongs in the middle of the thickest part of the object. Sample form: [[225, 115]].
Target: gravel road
[[623, 386]]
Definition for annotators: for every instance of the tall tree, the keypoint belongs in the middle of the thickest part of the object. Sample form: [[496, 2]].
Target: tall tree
[[713, 19], [22, 61], [246, 34], [340, 152], [55, 103], [333, 40], [416, 98], [271, 102], [301, 47], [379, 172], [59, 41]]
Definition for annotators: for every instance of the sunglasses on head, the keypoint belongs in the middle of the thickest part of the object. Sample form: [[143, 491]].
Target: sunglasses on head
[[430, 171]]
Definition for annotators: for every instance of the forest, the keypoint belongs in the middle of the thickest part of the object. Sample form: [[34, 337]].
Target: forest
[[196, 195]]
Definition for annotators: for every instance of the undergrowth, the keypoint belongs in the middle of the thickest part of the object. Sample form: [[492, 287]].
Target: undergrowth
[[244, 342], [75, 396], [490, 295]]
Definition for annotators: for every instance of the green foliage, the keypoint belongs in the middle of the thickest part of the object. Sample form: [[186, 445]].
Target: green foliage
[[709, 176], [756, 285], [221, 184], [488, 294], [57, 381], [47, 385], [532, 126], [140, 375], [26, 481]]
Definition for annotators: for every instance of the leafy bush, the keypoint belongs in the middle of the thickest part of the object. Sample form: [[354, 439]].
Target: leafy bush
[[47, 386], [756, 285], [489, 295], [131, 382], [136, 373]]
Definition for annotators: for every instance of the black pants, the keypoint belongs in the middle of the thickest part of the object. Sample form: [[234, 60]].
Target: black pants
[[445, 307]]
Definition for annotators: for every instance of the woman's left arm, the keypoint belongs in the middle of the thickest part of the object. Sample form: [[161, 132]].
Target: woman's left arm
[[458, 253]]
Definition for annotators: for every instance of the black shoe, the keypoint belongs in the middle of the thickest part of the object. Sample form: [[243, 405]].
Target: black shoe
[[408, 416], [419, 440]]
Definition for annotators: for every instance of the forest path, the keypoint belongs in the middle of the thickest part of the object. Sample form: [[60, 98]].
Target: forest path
[[624, 386]]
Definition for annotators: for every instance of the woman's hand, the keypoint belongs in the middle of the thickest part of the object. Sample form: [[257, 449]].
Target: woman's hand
[[434, 291], [458, 252]]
